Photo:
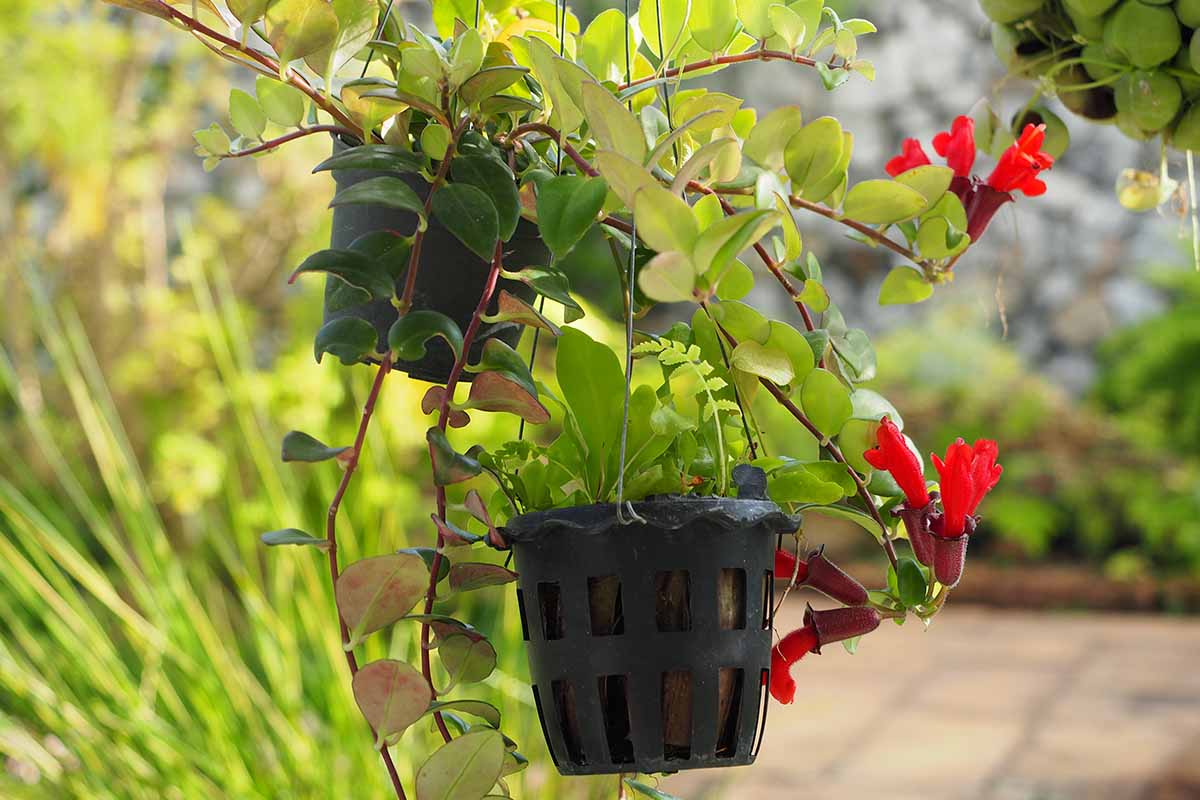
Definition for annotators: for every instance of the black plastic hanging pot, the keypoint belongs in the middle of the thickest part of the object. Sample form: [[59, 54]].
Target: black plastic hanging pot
[[451, 278], [650, 643]]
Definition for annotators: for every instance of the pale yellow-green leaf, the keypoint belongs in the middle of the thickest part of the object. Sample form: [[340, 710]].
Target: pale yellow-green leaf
[[663, 40], [664, 221], [623, 176], [696, 163], [602, 47], [763, 361], [466, 57], [930, 180], [764, 146], [821, 189], [904, 285], [882, 202], [814, 151], [435, 140], [614, 127], [756, 17], [297, 28], [668, 278], [466, 768], [713, 23], [695, 106], [788, 25]]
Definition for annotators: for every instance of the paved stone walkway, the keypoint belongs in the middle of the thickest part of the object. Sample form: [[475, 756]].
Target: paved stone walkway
[[984, 705]]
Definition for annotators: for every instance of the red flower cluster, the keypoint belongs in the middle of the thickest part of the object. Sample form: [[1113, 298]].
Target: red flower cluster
[[968, 473], [1016, 171], [820, 628]]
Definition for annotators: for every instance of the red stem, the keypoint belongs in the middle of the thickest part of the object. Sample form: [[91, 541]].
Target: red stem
[[717, 61], [456, 371], [331, 539], [556, 135], [271, 144]]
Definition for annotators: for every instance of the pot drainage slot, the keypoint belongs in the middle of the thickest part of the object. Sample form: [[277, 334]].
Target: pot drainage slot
[[614, 700], [521, 613], [763, 700], [677, 715], [568, 720], [731, 680], [550, 604], [768, 596], [673, 601], [731, 600], [604, 605], [537, 701]]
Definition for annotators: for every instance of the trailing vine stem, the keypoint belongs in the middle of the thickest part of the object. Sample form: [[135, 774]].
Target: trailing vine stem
[[725, 60], [332, 550], [293, 78], [271, 144], [456, 371], [414, 259], [556, 135], [834, 452]]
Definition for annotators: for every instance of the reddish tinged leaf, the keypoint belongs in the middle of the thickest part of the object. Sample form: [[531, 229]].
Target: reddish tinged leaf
[[452, 535], [468, 577], [468, 659], [432, 401], [511, 308], [478, 509], [375, 592], [391, 695], [446, 627], [496, 391], [465, 768], [449, 466]]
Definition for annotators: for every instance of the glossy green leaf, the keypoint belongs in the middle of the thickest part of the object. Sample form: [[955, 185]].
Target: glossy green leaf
[[826, 401], [768, 138], [374, 157], [668, 278], [593, 386], [814, 152], [905, 285], [466, 577], [613, 125], [882, 202], [375, 592], [350, 339], [764, 362], [567, 206], [930, 181], [495, 179], [910, 582], [392, 696], [299, 446], [282, 103], [351, 267], [799, 485], [246, 115], [409, 333], [435, 140], [664, 221], [449, 466], [489, 82], [465, 768], [297, 28], [468, 659], [470, 215], [385, 191], [713, 23], [476, 708], [293, 536]]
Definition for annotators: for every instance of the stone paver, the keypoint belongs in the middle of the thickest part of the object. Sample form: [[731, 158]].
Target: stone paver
[[984, 705]]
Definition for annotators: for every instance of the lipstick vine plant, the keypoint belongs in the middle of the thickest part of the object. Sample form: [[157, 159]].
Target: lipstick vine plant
[[508, 113]]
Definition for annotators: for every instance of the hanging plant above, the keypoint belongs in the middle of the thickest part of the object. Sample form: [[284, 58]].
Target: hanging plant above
[[469, 162]]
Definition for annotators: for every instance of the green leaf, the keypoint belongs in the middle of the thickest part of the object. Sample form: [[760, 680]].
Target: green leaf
[[466, 577], [435, 140], [856, 353], [392, 696], [293, 536], [466, 768], [864, 521], [765, 362], [668, 278], [350, 339], [904, 285], [374, 157], [929, 180], [489, 82], [213, 139], [814, 152], [356, 26], [648, 791], [768, 138], [248, 11], [476, 708], [788, 25], [814, 296], [499, 391], [466, 57], [664, 221], [883, 202], [352, 268], [283, 103], [498, 356], [871, 405], [299, 446], [409, 333], [785, 338], [826, 402], [624, 177], [449, 466], [666, 38], [246, 115], [549, 283], [470, 215], [613, 125], [593, 385], [468, 658], [602, 46], [720, 244], [385, 191], [910, 582], [296, 28], [937, 238], [375, 592], [713, 23], [567, 206], [755, 16], [832, 77], [494, 179]]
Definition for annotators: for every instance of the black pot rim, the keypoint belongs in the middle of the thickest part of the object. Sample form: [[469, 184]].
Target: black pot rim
[[662, 512]]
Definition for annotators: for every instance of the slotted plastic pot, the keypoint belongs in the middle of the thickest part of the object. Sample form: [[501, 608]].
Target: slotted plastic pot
[[450, 279], [650, 643]]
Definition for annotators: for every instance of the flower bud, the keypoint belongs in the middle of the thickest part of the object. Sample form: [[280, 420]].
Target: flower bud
[[837, 624], [829, 579], [949, 558], [916, 523]]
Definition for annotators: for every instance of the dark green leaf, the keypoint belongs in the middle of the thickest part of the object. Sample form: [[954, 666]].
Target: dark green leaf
[[567, 207], [293, 536], [495, 179], [408, 335], [352, 268], [375, 157], [351, 339], [449, 466], [910, 582], [386, 191], [552, 284], [470, 215], [490, 81], [299, 446]]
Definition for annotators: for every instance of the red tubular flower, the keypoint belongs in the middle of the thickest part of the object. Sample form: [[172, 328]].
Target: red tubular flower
[[838, 624], [957, 146], [911, 155], [830, 580], [793, 647], [966, 476], [895, 456], [1019, 165], [787, 566]]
